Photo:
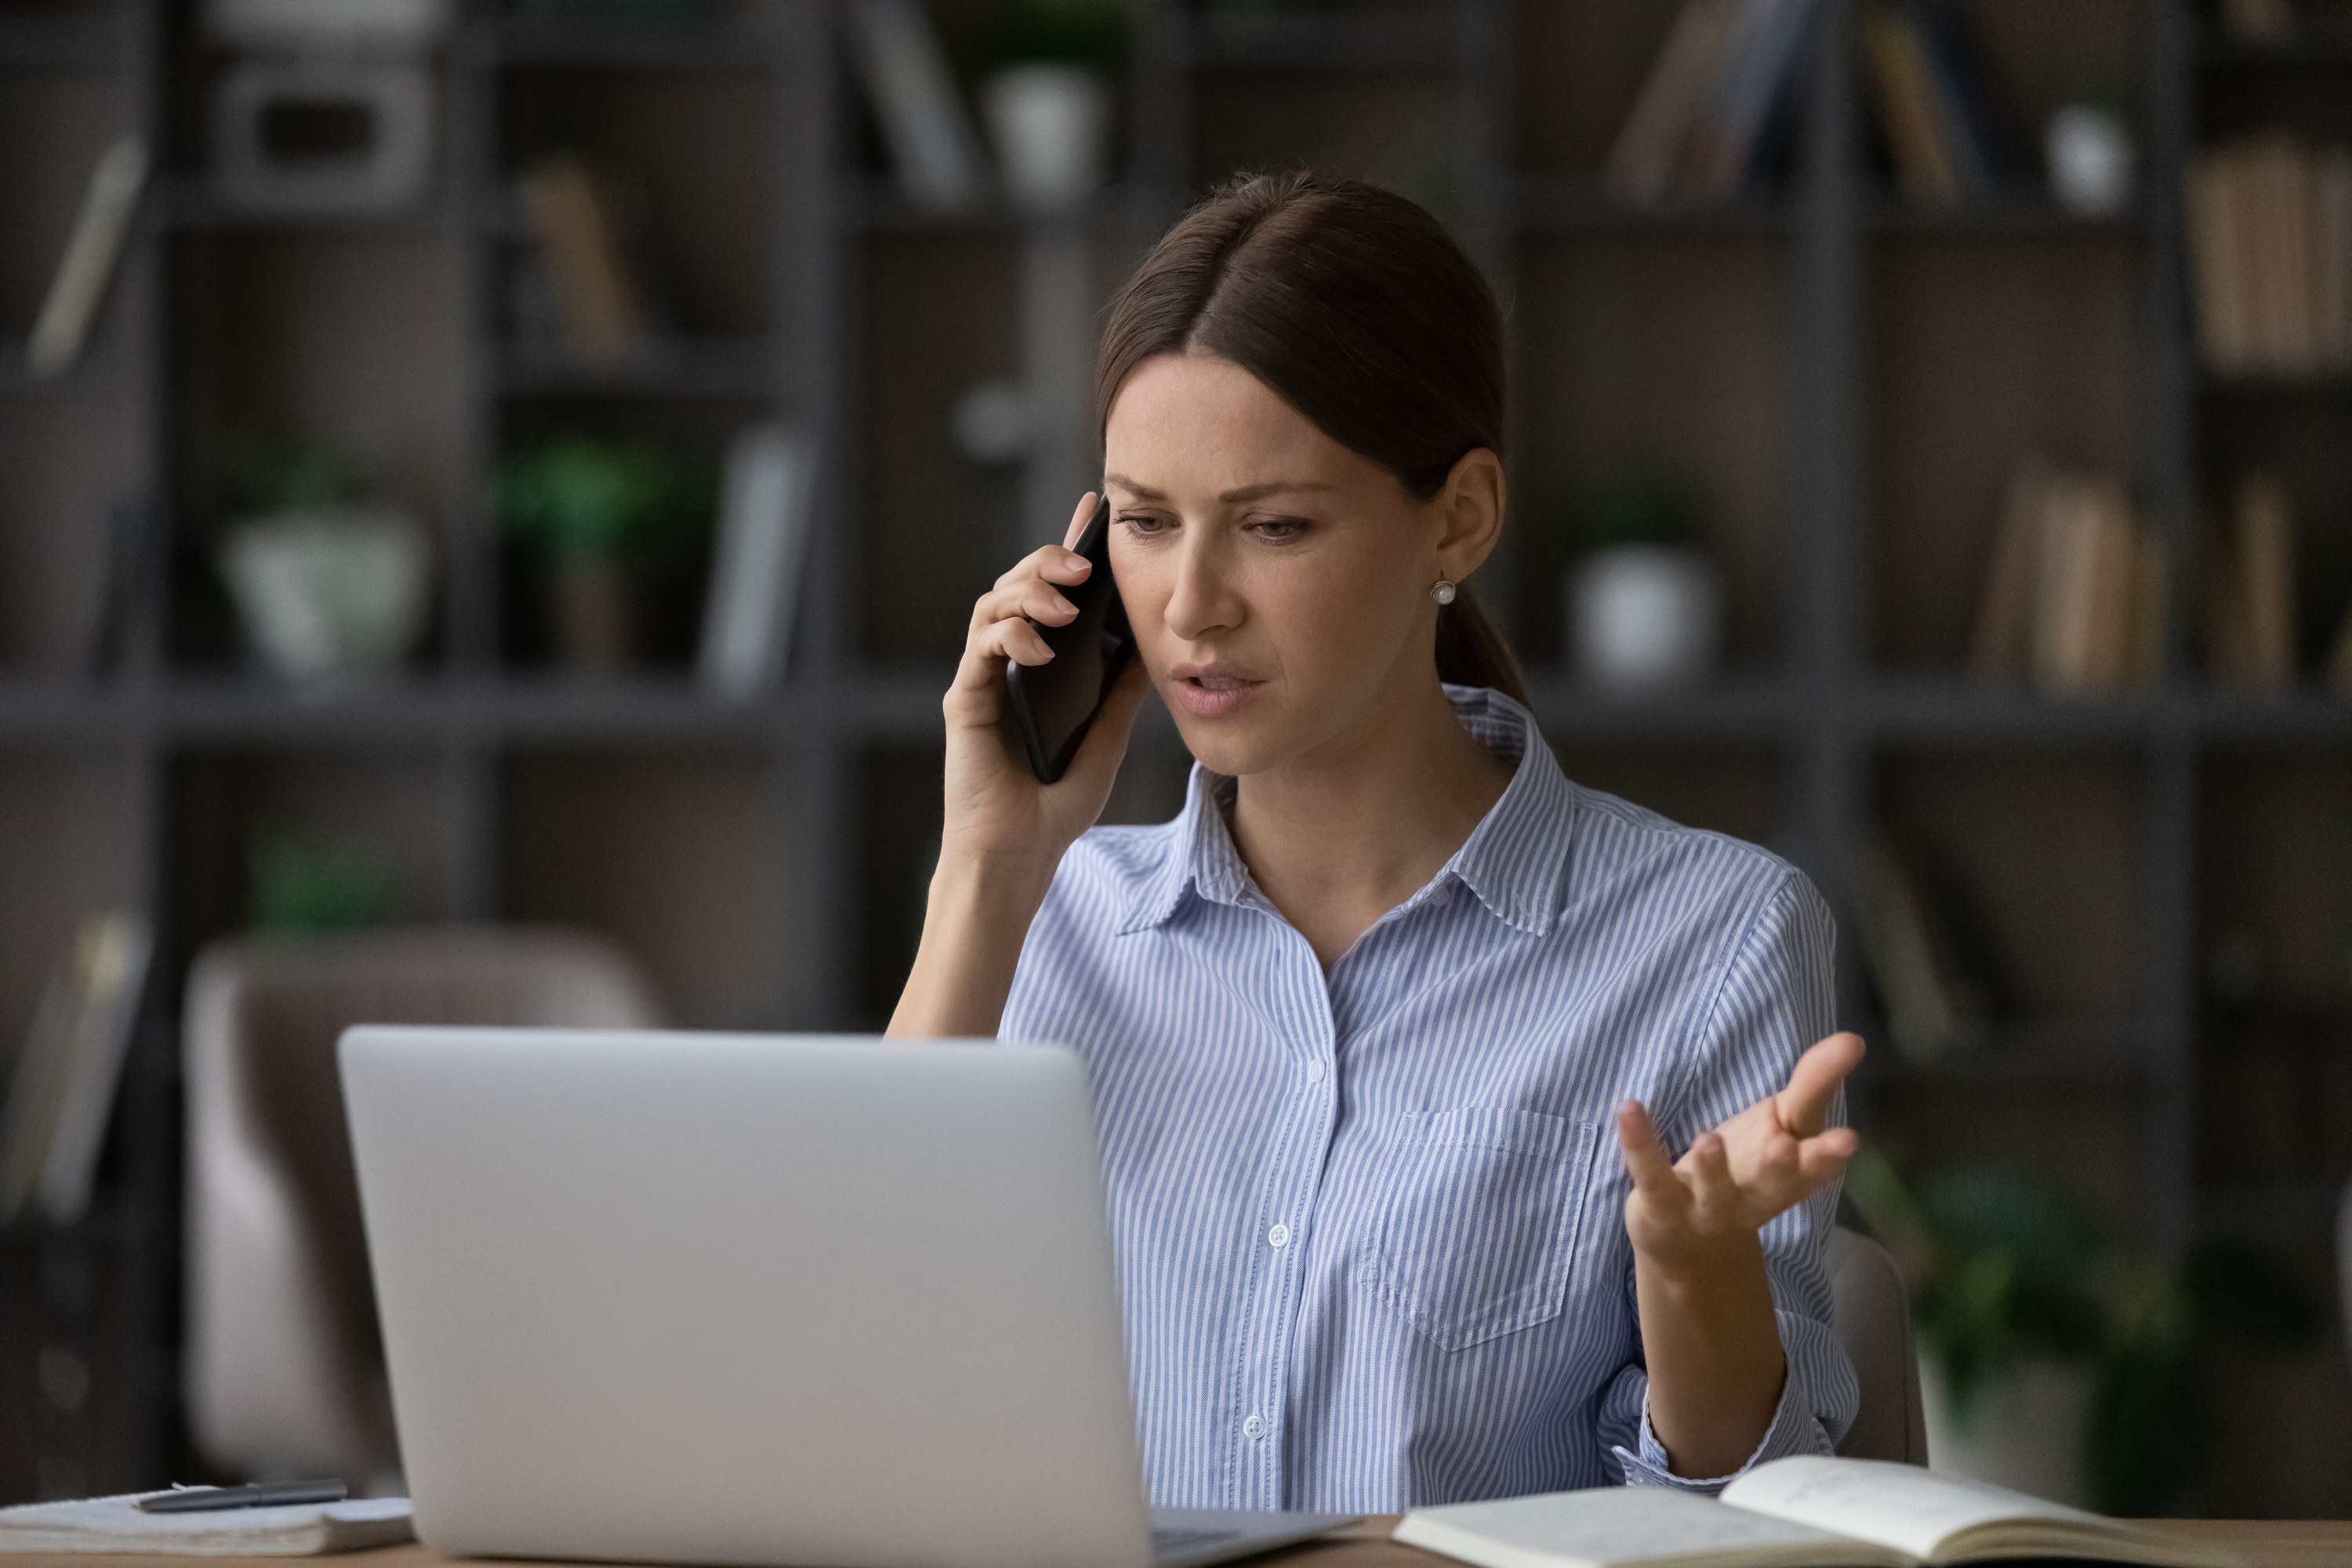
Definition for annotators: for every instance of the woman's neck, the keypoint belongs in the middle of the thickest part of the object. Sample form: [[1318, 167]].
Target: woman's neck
[[1338, 838]]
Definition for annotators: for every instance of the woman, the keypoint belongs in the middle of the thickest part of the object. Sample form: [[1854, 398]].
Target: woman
[[1357, 1018]]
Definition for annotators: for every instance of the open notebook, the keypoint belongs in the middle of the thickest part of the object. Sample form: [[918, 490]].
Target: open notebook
[[294, 1529], [1802, 1512]]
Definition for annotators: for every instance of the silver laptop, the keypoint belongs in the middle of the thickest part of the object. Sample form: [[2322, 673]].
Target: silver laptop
[[759, 1299]]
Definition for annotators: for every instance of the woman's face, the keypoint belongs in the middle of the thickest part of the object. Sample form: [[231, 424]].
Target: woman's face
[[1279, 583]]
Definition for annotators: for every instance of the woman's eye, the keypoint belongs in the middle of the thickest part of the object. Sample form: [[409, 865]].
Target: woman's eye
[[1142, 525], [1278, 530]]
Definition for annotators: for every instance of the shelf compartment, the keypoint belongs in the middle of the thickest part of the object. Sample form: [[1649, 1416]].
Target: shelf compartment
[[2036, 860], [1672, 357], [384, 803], [1985, 354], [677, 855]]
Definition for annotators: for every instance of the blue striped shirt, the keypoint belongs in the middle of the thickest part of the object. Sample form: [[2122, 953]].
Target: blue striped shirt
[[1371, 1227]]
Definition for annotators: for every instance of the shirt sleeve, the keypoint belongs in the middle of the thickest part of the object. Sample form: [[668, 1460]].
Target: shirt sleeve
[[1776, 997]]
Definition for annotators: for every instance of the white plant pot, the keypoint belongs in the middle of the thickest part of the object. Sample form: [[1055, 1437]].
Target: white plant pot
[[2030, 1434], [329, 593], [1051, 125], [2089, 155], [1645, 617]]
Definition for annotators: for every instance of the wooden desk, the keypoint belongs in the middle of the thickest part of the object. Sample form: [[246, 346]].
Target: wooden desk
[[2266, 1543]]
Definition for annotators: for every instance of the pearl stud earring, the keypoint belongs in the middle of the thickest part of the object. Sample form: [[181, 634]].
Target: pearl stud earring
[[1442, 591]]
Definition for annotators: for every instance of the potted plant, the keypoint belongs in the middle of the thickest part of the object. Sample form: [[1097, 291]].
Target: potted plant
[[1048, 102], [1644, 611], [330, 586], [2054, 1358], [595, 511]]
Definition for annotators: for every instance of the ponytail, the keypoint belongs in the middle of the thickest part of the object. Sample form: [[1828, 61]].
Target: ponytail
[[1472, 652]]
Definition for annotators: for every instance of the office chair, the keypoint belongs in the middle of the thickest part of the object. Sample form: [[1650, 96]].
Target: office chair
[[285, 1367], [1870, 1312]]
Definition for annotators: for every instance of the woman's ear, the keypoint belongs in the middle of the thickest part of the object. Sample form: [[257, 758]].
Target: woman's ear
[[1471, 509]]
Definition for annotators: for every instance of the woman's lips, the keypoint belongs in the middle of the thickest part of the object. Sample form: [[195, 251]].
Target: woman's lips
[[1212, 694]]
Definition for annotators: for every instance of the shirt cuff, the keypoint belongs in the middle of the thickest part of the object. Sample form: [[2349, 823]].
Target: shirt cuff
[[1795, 1430]]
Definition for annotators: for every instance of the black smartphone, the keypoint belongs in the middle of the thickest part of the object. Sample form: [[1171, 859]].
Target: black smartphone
[[1055, 703]]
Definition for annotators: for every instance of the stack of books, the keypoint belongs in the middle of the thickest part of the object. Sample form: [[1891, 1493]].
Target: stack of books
[[1713, 105], [1940, 132], [2075, 593], [2270, 235]]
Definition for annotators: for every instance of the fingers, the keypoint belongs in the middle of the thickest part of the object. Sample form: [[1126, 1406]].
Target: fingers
[[1822, 1160], [1079, 521], [1645, 1157], [1052, 563], [1803, 1107], [1031, 597], [1709, 1167], [1106, 741]]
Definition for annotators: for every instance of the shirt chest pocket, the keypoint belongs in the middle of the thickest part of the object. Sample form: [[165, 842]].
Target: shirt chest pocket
[[1476, 1225]]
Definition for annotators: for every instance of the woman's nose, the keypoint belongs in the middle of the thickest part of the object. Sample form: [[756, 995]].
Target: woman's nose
[[1202, 601]]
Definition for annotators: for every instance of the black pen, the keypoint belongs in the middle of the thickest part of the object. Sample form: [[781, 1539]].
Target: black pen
[[265, 1494]]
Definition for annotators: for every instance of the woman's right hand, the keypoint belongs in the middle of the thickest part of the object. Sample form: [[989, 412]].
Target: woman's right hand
[[997, 814]]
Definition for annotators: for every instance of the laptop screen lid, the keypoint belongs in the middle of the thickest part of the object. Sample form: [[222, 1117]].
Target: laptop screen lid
[[741, 1299]]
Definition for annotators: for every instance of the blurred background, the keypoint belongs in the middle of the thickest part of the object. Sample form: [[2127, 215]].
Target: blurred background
[[490, 495]]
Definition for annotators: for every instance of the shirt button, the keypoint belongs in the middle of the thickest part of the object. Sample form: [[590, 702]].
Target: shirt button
[[1314, 1072], [1279, 1236], [1255, 1427]]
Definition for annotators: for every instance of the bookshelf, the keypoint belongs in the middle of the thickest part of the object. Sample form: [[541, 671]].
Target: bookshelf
[[1850, 380]]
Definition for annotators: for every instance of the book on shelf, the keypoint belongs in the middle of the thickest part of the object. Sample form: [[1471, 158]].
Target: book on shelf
[[764, 508], [1709, 108], [62, 1086], [1931, 993], [2076, 589], [1931, 106], [1643, 161], [931, 137], [1810, 1512], [79, 286], [2270, 245], [2251, 588], [599, 313]]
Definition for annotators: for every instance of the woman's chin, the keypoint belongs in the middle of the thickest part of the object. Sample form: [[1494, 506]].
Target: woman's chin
[[1234, 744]]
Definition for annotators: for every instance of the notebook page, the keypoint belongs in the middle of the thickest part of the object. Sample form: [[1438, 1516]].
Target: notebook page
[[1615, 1527], [1907, 1508], [113, 1524]]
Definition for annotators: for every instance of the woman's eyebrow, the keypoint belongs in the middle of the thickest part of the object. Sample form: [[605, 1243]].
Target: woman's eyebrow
[[1245, 493]]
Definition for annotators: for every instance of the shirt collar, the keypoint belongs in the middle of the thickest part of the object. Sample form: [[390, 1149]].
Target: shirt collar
[[1515, 861]]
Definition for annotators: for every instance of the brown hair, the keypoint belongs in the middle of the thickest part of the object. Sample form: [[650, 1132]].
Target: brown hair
[[1357, 309]]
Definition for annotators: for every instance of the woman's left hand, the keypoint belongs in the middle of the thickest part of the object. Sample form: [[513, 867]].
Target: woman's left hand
[[1690, 1213]]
